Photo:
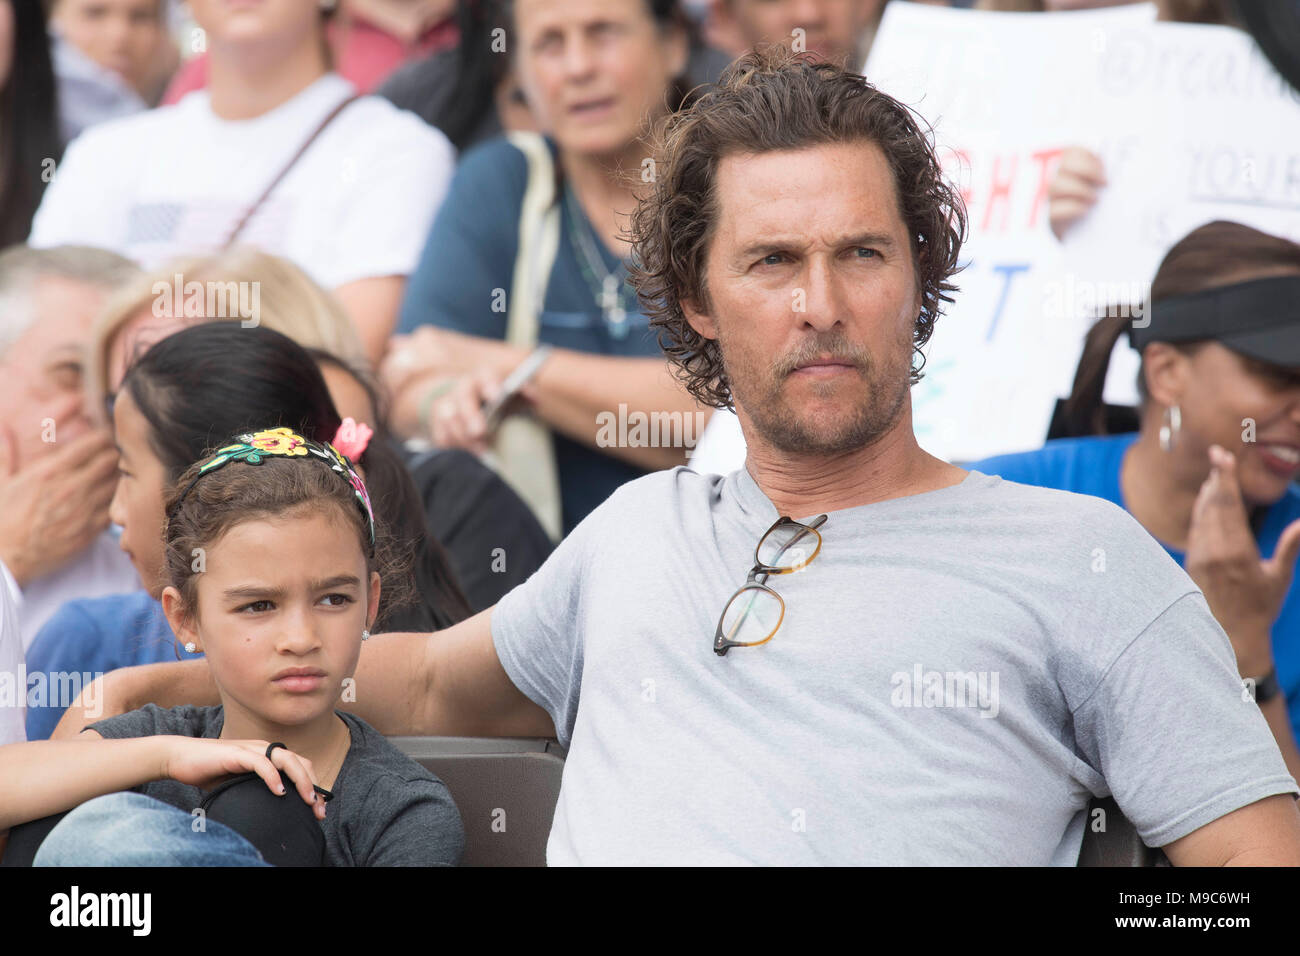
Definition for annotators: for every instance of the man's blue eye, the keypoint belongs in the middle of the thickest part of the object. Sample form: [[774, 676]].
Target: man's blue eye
[[772, 259], [870, 253]]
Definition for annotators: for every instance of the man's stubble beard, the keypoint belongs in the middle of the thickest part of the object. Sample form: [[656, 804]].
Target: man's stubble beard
[[761, 392]]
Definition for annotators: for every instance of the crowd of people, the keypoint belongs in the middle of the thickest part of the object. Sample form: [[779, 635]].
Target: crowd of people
[[313, 321]]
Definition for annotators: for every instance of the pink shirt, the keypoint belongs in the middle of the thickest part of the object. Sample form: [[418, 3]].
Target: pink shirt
[[363, 53]]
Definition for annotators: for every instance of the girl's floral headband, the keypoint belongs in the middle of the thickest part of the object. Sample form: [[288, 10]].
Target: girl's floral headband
[[254, 447]]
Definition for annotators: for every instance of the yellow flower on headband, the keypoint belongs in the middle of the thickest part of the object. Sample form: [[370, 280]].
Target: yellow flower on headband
[[253, 447], [278, 441]]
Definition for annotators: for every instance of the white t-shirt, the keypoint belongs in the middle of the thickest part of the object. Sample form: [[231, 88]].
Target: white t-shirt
[[174, 182], [13, 676]]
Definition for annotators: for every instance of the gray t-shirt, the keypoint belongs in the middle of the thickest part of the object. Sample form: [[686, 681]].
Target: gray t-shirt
[[387, 810], [957, 673]]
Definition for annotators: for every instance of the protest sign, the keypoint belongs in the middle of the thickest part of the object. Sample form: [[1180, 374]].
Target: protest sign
[[1004, 94], [1192, 124]]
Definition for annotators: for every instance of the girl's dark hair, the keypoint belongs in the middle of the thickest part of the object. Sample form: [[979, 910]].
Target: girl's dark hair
[[29, 115], [1217, 254], [200, 510], [202, 385]]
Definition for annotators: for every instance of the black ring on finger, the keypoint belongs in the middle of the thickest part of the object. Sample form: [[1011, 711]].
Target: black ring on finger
[[272, 747]]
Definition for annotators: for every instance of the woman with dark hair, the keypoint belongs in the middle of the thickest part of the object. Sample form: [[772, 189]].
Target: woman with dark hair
[[597, 75], [1211, 471], [29, 137], [469, 92], [188, 393]]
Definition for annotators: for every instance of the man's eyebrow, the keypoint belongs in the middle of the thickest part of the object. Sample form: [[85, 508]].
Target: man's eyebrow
[[782, 243]]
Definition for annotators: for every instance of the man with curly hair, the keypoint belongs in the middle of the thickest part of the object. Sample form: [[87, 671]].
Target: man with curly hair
[[920, 664]]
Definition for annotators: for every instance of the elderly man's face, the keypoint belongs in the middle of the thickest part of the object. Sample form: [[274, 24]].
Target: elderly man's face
[[41, 396], [812, 296]]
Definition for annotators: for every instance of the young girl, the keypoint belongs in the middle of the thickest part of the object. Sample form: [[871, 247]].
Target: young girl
[[187, 391], [273, 570]]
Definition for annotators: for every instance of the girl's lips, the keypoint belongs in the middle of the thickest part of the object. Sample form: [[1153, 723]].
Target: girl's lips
[[300, 683]]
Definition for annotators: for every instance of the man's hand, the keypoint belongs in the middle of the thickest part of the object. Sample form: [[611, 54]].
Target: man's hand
[[55, 507], [1244, 592]]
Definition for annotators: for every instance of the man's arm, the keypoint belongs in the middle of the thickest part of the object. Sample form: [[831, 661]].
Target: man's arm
[[448, 683], [1264, 833], [130, 688]]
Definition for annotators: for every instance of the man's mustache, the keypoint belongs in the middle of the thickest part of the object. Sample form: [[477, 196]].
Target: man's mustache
[[833, 347]]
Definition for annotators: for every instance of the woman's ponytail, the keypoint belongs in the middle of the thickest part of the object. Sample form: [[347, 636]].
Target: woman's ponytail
[[1084, 412]]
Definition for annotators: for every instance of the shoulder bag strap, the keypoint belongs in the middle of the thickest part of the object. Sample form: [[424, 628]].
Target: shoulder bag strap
[[293, 160], [522, 449]]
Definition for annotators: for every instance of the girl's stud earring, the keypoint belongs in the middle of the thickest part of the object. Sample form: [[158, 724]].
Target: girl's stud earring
[[365, 635], [189, 647]]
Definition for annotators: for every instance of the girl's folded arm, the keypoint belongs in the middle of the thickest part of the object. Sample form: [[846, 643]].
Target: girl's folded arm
[[42, 777]]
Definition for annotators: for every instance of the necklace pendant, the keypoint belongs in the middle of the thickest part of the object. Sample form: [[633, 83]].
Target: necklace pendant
[[616, 319], [609, 293]]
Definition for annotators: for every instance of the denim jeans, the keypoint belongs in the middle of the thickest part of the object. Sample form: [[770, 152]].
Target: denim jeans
[[130, 829]]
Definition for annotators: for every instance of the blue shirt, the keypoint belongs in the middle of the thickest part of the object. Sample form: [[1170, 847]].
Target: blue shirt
[[85, 639], [1091, 466], [471, 253]]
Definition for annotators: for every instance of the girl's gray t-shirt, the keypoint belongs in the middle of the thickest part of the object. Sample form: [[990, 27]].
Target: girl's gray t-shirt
[[387, 810], [958, 672]]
